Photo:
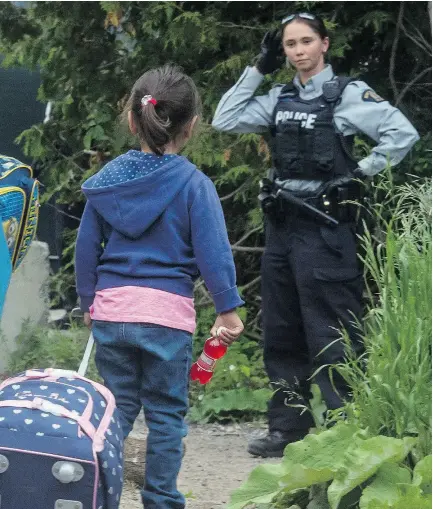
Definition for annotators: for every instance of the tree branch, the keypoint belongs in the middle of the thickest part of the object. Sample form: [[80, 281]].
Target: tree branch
[[62, 212], [251, 283], [254, 322], [233, 193], [394, 51], [67, 158], [198, 283], [419, 38], [206, 298], [227, 24], [416, 41], [252, 335], [410, 84], [244, 238], [203, 304], [203, 290], [248, 249]]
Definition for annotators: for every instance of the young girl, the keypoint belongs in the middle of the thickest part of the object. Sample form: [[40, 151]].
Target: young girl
[[152, 224]]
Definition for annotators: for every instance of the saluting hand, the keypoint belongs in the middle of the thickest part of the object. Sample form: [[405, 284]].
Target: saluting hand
[[271, 57]]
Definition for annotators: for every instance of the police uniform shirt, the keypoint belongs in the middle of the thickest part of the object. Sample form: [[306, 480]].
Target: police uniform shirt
[[360, 110]]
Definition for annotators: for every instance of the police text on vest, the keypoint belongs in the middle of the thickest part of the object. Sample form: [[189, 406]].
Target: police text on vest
[[307, 119]]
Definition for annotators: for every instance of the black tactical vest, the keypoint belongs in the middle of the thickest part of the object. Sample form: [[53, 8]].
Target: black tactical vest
[[305, 143]]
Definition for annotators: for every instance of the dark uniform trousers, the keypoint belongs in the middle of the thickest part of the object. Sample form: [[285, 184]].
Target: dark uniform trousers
[[311, 287]]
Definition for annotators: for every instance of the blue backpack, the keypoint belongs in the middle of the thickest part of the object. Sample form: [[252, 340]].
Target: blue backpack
[[19, 208]]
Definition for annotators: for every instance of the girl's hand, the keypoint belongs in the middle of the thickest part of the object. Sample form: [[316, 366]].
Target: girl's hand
[[227, 327], [87, 320]]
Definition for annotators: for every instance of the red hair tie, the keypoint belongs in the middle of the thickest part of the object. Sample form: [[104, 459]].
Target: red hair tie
[[146, 99]]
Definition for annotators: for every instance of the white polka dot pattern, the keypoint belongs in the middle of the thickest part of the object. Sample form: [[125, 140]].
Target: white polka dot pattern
[[119, 171], [48, 432]]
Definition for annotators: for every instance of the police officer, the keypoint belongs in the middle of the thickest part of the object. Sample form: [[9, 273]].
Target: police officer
[[311, 278]]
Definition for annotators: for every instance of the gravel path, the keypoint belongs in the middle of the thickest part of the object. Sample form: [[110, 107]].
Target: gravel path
[[216, 462]]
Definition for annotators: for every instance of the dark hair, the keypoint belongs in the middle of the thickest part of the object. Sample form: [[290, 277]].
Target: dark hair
[[316, 23], [177, 103]]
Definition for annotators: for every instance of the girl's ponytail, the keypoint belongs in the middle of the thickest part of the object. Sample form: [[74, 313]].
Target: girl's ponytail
[[163, 101]]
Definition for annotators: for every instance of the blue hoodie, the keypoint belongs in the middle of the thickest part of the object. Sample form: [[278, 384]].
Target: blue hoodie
[[157, 226]]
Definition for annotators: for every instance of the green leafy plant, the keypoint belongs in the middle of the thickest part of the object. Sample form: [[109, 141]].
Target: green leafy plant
[[356, 468], [379, 456], [234, 404], [391, 383], [44, 347]]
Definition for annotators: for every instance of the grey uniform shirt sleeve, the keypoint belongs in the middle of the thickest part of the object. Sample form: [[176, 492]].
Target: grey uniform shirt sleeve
[[240, 112], [381, 121]]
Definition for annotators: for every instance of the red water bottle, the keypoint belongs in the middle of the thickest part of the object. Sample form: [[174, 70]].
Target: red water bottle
[[202, 370]]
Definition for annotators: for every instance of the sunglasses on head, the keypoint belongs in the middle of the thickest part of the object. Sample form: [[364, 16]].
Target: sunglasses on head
[[304, 15]]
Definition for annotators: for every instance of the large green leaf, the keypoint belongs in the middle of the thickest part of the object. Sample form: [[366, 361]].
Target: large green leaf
[[410, 498], [413, 498], [301, 476], [324, 450], [384, 487], [310, 461], [317, 458], [262, 485], [317, 405], [363, 461], [422, 474]]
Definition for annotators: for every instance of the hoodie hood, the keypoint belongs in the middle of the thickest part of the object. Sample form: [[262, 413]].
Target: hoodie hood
[[133, 195]]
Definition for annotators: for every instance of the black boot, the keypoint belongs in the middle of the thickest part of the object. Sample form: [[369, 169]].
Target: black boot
[[274, 443]]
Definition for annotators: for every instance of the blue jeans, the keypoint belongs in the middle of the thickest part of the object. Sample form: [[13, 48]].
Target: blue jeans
[[146, 365]]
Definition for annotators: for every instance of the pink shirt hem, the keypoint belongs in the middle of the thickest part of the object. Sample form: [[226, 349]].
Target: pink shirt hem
[[144, 305]]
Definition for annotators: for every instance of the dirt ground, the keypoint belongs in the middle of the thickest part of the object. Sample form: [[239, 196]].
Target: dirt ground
[[216, 462]]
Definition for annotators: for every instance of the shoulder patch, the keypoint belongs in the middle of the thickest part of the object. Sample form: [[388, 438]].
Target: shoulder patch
[[371, 96]]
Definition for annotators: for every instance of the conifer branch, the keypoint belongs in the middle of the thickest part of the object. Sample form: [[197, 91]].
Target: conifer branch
[[233, 193]]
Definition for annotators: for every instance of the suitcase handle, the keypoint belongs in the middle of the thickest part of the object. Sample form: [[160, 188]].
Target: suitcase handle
[[86, 357]]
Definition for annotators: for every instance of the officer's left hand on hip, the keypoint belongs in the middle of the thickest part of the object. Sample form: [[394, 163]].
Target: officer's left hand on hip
[[359, 174]]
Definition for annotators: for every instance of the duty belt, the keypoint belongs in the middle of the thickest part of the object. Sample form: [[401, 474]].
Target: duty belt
[[329, 207]]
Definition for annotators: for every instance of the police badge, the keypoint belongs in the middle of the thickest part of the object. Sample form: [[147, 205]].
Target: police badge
[[371, 96]]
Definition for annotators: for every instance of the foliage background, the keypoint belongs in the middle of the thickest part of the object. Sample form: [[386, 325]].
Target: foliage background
[[90, 53]]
